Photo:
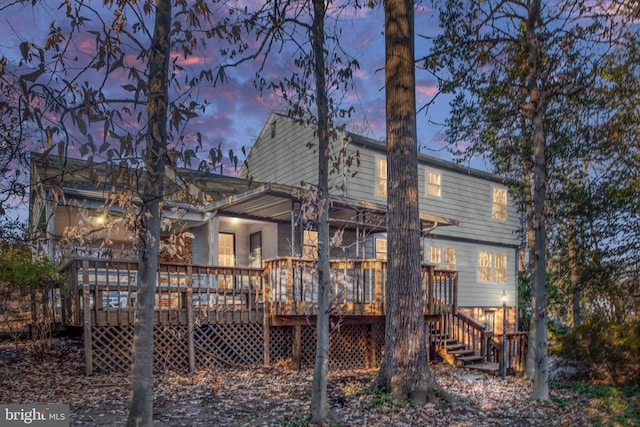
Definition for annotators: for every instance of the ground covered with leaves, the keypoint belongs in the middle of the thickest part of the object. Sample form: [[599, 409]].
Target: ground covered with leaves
[[277, 396]]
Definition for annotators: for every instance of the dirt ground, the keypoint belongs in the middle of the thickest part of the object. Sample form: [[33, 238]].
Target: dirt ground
[[277, 396]]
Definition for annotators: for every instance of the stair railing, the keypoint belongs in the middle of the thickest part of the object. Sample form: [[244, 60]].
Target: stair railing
[[516, 351], [465, 330]]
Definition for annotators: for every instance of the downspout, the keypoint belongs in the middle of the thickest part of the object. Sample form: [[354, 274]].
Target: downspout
[[293, 229]]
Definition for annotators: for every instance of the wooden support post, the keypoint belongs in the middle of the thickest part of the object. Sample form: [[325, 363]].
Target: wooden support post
[[190, 320], [86, 311], [266, 318], [296, 345], [371, 347]]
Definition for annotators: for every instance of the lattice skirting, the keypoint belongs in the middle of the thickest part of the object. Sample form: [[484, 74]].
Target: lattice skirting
[[352, 346], [229, 345], [349, 345], [111, 347]]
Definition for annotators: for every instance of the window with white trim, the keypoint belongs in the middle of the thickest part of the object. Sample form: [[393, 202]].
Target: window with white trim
[[449, 259], [381, 177], [433, 255], [434, 183], [499, 210], [492, 267], [310, 244], [381, 249], [444, 258], [500, 268]]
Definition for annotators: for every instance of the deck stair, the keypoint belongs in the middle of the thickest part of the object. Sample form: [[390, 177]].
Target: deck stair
[[454, 352]]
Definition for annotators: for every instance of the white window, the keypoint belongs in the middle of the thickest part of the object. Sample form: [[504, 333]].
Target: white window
[[492, 267], [381, 178], [485, 264], [310, 244], [449, 259], [499, 210], [381, 249], [500, 268], [446, 262], [226, 249], [434, 183], [433, 255]]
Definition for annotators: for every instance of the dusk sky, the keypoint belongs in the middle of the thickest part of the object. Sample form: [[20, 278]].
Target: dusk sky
[[237, 112]]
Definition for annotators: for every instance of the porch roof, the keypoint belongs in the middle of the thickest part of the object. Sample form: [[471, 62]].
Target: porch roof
[[275, 202]]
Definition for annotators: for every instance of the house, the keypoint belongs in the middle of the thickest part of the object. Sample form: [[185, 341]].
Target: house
[[470, 222], [237, 284]]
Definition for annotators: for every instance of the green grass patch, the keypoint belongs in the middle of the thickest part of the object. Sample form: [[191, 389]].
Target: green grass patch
[[620, 404]]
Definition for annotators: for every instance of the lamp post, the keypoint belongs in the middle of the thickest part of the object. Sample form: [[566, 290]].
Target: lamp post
[[504, 334]]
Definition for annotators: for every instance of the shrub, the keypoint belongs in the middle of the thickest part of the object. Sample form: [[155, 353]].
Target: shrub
[[609, 350]]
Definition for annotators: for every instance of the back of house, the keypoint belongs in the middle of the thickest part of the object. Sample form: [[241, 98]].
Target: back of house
[[470, 222]]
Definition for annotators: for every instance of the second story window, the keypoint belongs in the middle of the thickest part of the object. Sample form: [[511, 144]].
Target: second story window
[[444, 258], [433, 256], [499, 210], [381, 178], [449, 259], [434, 184], [492, 267]]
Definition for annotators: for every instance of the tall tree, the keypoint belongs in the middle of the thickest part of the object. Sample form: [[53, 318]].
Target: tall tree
[[404, 371], [124, 102], [155, 154], [512, 68], [320, 412], [312, 92]]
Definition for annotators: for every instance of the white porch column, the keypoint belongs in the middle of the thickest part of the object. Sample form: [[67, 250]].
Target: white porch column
[[214, 229]]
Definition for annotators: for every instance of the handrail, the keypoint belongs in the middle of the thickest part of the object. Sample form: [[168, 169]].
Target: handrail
[[214, 293], [464, 330], [285, 286], [516, 351]]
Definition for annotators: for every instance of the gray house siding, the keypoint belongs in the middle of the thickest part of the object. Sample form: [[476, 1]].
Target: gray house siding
[[200, 245], [285, 158], [472, 292]]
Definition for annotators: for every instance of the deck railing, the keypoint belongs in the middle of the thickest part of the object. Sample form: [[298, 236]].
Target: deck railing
[[464, 330], [516, 351], [214, 294]]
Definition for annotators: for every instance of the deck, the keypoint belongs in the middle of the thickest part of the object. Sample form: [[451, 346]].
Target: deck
[[212, 315]]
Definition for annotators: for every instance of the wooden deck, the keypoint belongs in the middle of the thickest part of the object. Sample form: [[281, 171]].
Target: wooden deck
[[212, 315], [284, 288]]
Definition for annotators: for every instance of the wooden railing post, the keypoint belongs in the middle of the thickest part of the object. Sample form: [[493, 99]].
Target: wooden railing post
[[266, 314], [86, 309], [378, 291], [190, 320]]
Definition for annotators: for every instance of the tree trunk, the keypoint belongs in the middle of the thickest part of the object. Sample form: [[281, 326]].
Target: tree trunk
[[538, 340], [575, 288], [320, 413], [404, 371], [141, 405]]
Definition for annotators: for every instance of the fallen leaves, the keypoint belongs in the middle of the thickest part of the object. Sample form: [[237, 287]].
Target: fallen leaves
[[273, 396]]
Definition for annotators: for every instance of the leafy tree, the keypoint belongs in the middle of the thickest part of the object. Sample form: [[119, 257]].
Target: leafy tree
[[404, 371], [322, 74], [26, 285], [155, 155], [516, 71], [13, 150], [137, 126]]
